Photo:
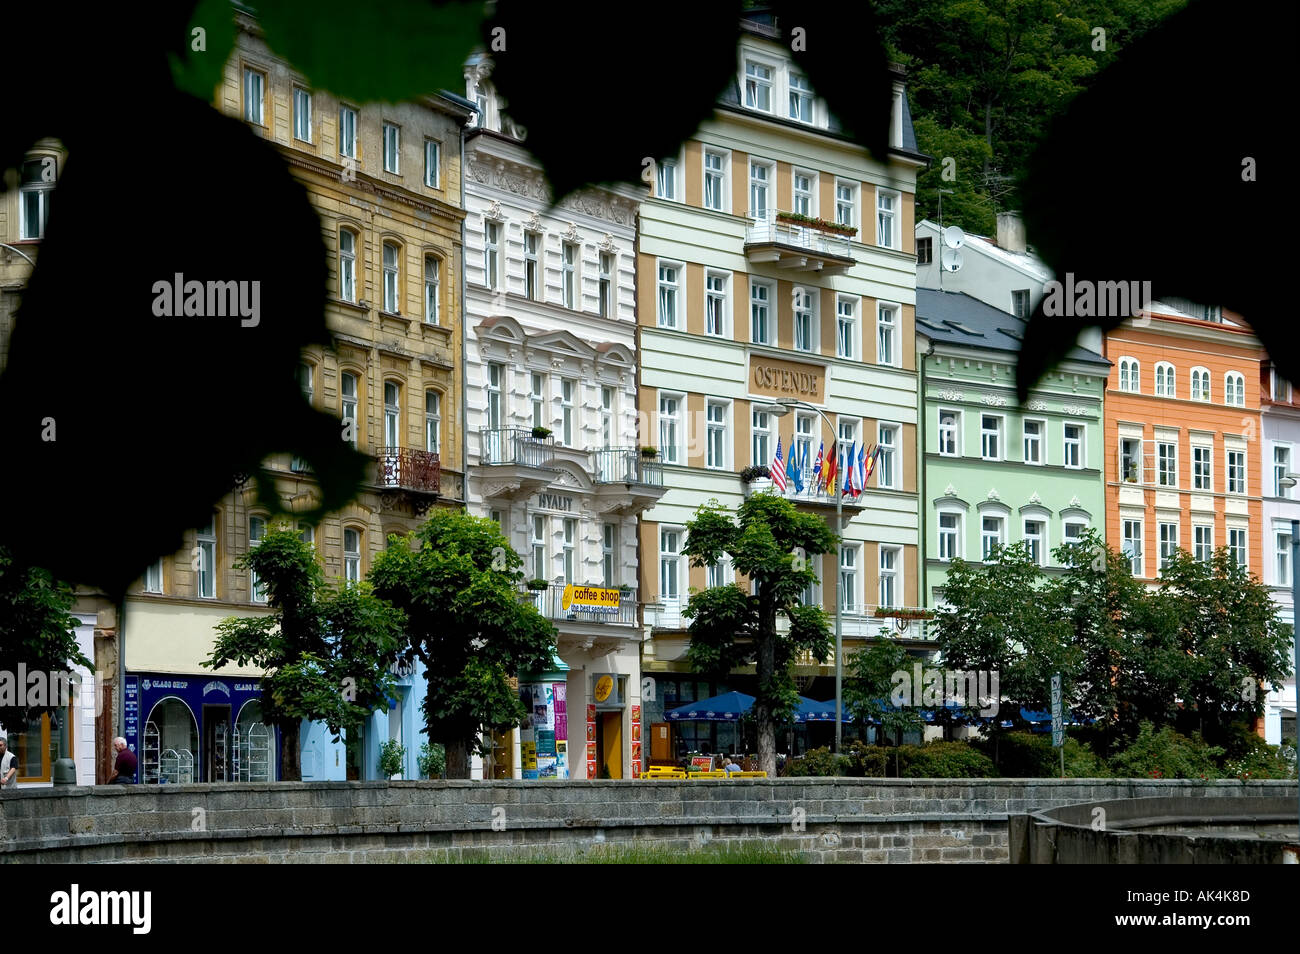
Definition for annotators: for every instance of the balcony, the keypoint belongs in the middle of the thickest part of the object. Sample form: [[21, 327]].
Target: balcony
[[550, 603], [626, 482], [409, 478], [519, 464], [799, 248]]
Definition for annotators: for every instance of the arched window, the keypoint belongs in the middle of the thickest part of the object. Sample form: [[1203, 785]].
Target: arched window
[[1234, 389], [1165, 380], [1200, 384], [351, 554], [432, 282], [1129, 370], [347, 265], [392, 414], [391, 257]]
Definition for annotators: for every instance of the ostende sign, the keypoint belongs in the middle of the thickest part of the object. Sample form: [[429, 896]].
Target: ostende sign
[[776, 377]]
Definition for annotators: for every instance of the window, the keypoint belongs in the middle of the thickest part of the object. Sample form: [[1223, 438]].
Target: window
[[1073, 531], [803, 319], [254, 96], [568, 274], [1019, 301], [348, 403], [1237, 545], [849, 579], [347, 265], [392, 415], [1132, 545], [301, 114], [538, 395], [1168, 533], [887, 470], [990, 437], [1165, 378], [538, 546], [760, 296], [717, 573], [1281, 467], [432, 163], [1236, 472], [761, 433], [1034, 540], [803, 193], [886, 334], [256, 533], [305, 382], [570, 541], [669, 410], [492, 254], [432, 422], [1201, 471], [715, 178], [531, 285], [1282, 549], [760, 176], [392, 139], [1166, 464], [886, 233], [1130, 459], [153, 577], [801, 99], [1033, 441], [606, 289], [670, 563], [990, 536], [568, 387], [889, 560], [925, 255], [666, 179], [1200, 384], [608, 554], [668, 295], [1203, 542], [607, 416], [715, 303], [1073, 445], [1281, 388], [716, 452], [845, 328], [801, 449], [949, 432], [432, 282], [206, 580], [38, 180], [758, 86], [495, 376], [846, 204], [1128, 375], [949, 536], [347, 132], [1234, 389], [390, 278], [848, 437]]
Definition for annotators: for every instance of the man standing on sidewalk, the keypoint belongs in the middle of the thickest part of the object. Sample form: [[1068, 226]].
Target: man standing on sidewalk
[[124, 769], [8, 765]]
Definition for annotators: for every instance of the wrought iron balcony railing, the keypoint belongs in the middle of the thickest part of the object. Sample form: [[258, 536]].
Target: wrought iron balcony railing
[[516, 445], [626, 465], [409, 469]]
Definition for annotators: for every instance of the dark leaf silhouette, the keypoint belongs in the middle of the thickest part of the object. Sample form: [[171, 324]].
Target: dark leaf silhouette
[[1142, 178], [198, 71]]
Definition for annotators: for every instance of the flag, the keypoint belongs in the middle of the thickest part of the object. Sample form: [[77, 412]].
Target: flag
[[872, 460], [860, 480], [817, 468], [778, 468], [849, 469], [797, 467], [803, 463], [832, 459]]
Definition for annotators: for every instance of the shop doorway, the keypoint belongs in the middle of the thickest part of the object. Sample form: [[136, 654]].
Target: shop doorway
[[216, 743], [609, 744]]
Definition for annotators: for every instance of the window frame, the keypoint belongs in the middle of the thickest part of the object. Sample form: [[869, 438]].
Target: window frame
[[1201, 396], [392, 153], [956, 430], [768, 180], [667, 557], [848, 579], [719, 429], [570, 290], [347, 264], [347, 131], [346, 374], [1082, 445], [607, 266], [1234, 389], [722, 296], [723, 175], [891, 574], [1279, 491], [761, 304], [1136, 554], [1202, 551], [1166, 463], [1039, 441], [533, 283], [434, 286], [1242, 533], [1166, 543], [888, 331], [949, 538], [569, 395], [492, 254], [1166, 380], [391, 305], [854, 190], [261, 74], [768, 82], [894, 216], [1039, 553], [1228, 482], [672, 451], [803, 92], [852, 335], [1130, 375], [207, 543], [42, 189], [893, 449], [796, 173], [433, 421], [256, 592], [987, 552], [668, 291], [766, 431], [999, 449], [300, 96], [1203, 467], [804, 304], [432, 163]]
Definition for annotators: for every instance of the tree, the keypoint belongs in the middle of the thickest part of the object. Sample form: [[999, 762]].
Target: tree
[[37, 630], [328, 651], [770, 542], [868, 683], [457, 580]]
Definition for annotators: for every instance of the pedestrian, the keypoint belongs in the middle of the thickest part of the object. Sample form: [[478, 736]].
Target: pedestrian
[[8, 765], [729, 766], [124, 769]]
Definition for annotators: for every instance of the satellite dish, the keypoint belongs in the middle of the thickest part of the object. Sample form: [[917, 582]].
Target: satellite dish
[[950, 259], [954, 237]]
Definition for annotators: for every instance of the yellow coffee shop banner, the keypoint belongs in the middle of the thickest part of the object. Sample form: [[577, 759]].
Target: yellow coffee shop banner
[[589, 599]]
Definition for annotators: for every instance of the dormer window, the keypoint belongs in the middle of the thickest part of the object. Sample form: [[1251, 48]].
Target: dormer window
[[758, 86], [801, 99]]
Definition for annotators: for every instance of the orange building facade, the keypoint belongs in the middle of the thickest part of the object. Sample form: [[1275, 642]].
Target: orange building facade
[[1183, 441]]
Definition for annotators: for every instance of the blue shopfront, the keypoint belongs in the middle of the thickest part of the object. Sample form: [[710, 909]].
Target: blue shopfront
[[198, 729]]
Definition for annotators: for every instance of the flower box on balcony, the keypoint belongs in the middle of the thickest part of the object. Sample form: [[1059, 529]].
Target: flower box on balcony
[[821, 225], [884, 612], [537, 585], [649, 453], [541, 433]]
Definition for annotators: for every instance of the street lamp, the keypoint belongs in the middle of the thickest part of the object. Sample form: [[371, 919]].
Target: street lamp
[[781, 408], [1286, 483]]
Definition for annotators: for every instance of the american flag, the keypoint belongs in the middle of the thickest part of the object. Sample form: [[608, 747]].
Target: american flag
[[778, 468]]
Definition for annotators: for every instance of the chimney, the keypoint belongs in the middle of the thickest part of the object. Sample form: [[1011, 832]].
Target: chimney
[[1011, 232]]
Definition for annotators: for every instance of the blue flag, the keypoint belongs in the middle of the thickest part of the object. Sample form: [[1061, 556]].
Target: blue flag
[[797, 464]]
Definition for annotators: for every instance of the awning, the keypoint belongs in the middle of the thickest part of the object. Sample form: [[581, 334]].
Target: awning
[[728, 707]]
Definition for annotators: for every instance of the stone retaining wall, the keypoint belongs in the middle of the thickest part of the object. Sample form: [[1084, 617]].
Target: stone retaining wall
[[895, 820]]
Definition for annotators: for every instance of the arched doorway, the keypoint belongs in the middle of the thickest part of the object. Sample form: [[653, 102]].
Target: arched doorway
[[171, 739], [254, 746]]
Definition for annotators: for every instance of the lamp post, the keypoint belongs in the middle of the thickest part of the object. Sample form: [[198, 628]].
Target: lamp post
[[1286, 483], [781, 408]]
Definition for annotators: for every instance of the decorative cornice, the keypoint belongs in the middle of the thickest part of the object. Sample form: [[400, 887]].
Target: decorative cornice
[[494, 212], [608, 244], [571, 234], [993, 494], [947, 395], [993, 400], [533, 223], [1036, 406]]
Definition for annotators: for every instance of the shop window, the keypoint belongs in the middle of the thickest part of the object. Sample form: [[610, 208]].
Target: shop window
[[171, 744]]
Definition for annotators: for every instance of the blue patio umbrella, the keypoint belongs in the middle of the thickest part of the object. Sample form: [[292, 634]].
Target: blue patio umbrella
[[728, 707], [812, 711]]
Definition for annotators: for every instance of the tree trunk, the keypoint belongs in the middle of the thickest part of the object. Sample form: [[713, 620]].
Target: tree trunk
[[766, 727], [457, 759], [291, 751]]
